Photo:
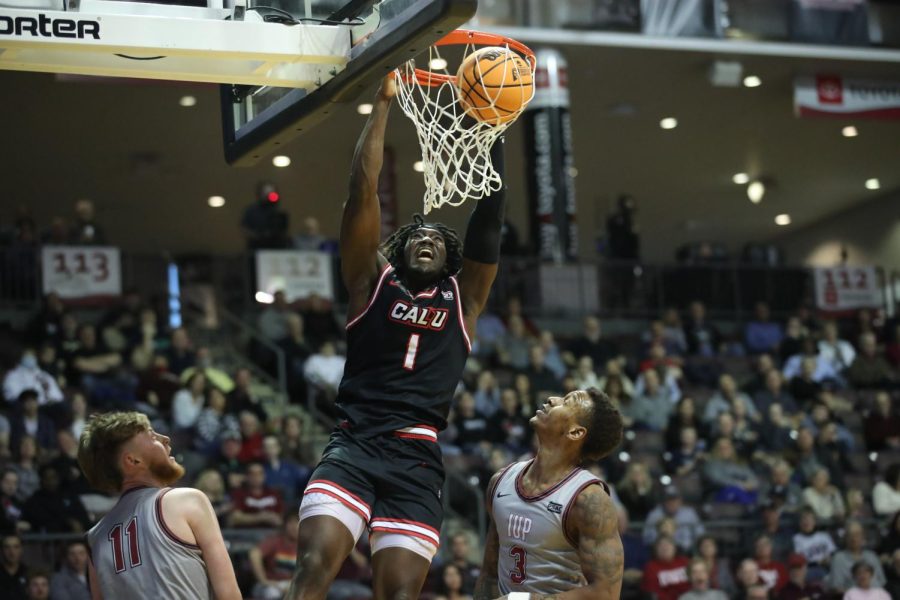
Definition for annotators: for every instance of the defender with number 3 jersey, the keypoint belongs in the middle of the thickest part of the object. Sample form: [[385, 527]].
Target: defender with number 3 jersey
[[536, 554], [554, 529]]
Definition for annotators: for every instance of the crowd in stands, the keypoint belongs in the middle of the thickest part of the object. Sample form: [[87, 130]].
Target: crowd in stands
[[758, 464]]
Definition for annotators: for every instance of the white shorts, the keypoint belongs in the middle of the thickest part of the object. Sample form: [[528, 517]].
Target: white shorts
[[317, 504]]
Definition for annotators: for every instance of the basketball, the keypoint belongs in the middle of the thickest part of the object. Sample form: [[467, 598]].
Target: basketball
[[494, 84]]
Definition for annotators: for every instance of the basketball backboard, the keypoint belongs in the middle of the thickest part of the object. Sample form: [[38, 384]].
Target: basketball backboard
[[259, 120], [281, 63]]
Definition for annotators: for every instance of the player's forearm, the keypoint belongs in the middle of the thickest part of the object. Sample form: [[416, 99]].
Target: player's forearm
[[483, 234], [369, 154], [486, 588]]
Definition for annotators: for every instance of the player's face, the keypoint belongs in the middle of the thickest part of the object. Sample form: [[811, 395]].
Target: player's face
[[154, 448], [560, 414], [425, 251]]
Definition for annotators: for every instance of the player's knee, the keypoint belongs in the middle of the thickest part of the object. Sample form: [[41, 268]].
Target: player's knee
[[310, 564]]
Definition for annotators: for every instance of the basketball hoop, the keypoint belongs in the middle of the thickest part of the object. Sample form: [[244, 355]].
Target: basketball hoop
[[456, 139]]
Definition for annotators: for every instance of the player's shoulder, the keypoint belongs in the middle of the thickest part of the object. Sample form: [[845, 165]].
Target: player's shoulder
[[499, 473], [593, 507], [184, 499], [497, 477]]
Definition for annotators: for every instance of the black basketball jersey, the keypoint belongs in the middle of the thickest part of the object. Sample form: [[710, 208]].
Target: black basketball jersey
[[405, 357]]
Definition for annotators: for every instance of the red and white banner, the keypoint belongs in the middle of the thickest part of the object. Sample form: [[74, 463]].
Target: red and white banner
[[836, 96], [847, 288], [79, 272]]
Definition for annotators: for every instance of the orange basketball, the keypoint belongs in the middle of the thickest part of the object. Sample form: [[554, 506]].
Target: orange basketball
[[494, 84]]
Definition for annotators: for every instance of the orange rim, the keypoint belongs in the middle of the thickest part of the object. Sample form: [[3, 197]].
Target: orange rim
[[465, 37]]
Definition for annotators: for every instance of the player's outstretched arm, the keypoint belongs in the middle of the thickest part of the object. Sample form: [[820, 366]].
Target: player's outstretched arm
[[361, 225], [481, 249], [201, 518]]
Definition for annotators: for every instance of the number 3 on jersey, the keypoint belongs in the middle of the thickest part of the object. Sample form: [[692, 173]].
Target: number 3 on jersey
[[519, 554], [412, 348], [134, 552]]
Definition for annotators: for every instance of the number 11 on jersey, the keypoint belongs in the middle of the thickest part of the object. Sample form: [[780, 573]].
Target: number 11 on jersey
[[412, 347], [134, 551]]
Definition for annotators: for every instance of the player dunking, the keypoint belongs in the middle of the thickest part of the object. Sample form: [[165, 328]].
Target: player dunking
[[412, 313], [156, 542], [554, 529]]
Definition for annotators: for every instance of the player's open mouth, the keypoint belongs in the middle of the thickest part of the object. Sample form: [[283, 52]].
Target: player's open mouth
[[426, 253]]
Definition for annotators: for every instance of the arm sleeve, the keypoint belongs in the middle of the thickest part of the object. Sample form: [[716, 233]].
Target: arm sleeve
[[482, 243]]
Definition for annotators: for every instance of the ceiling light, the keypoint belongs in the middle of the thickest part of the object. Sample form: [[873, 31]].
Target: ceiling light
[[849, 131], [364, 109], [752, 81], [756, 191], [216, 201], [669, 123], [783, 220], [419, 166], [437, 64], [281, 161], [187, 101], [873, 184], [264, 297], [741, 178]]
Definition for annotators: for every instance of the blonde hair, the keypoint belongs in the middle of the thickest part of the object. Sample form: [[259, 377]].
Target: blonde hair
[[101, 444]]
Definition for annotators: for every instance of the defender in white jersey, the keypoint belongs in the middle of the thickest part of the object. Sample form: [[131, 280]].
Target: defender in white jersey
[[554, 529], [156, 542]]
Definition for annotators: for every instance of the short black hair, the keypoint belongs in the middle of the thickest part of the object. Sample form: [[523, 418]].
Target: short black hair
[[604, 426], [393, 247], [28, 394], [861, 564], [892, 475]]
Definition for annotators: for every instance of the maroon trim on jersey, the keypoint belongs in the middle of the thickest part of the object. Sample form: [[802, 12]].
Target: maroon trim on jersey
[[384, 272], [546, 492], [571, 503], [134, 489], [165, 528], [459, 308], [493, 487]]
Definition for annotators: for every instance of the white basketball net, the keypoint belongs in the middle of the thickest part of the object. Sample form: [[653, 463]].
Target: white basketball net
[[455, 147]]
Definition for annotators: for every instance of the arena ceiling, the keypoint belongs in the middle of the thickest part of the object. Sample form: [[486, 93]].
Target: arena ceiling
[[151, 164]]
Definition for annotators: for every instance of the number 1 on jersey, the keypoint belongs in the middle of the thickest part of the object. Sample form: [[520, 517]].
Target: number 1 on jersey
[[412, 347]]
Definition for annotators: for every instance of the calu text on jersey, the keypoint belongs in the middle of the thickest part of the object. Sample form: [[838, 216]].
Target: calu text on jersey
[[424, 317]]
